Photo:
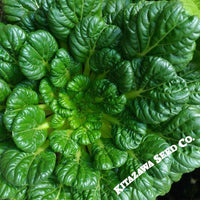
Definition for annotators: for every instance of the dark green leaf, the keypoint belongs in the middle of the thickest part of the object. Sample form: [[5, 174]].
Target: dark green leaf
[[36, 54]]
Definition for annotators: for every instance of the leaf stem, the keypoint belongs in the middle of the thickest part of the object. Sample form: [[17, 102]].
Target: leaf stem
[[43, 126], [133, 94], [87, 67], [44, 107], [42, 148], [111, 119]]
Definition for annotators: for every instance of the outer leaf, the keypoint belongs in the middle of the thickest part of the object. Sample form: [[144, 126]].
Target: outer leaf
[[27, 22], [84, 37], [146, 34], [113, 11], [8, 191], [20, 168], [41, 46], [185, 159], [48, 190], [29, 129], [104, 190], [153, 144], [29, 84], [77, 172], [194, 97], [63, 17], [144, 186], [18, 100], [107, 185], [162, 93], [5, 91], [6, 145], [186, 123], [15, 10], [11, 40], [107, 156], [141, 188], [110, 37], [40, 16]]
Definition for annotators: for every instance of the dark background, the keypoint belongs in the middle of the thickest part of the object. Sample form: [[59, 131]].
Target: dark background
[[188, 188]]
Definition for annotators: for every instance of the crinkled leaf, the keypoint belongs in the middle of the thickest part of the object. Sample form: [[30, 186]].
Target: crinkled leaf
[[47, 91], [84, 37], [73, 66], [107, 156], [48, 190], [58, 109], [186, 159], [194, 89], [110, 37], [128, 135], [36, 54], [104, 60], [66, 14], [113, 11], [5, 91], [186, 123], [15, 10], [59, 75], [20, 168], [29, 84], [57, 121], [77, 172], [107, 96], [141, 186], [160, 94], [107, 184], [89, 132], [11, 40], [29, 129], [153, 145], [146, 34], [79, 83], [18, 100], [8, 191], [123, 76], [61, 142]]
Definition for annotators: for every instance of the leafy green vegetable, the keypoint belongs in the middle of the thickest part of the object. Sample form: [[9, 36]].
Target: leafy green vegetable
[[99, 100]]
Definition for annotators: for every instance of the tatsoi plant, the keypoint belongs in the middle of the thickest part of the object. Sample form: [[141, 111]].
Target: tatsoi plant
[[90, 91]]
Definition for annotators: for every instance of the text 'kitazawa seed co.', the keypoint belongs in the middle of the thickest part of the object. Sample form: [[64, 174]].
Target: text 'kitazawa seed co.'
[[149, 164]]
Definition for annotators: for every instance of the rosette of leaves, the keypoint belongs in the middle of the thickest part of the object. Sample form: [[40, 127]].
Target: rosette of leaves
[[101, 90]]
